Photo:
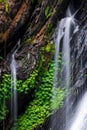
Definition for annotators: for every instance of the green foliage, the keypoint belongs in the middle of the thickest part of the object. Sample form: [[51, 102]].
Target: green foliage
[[32, 1], [6, 5], [48, 47], [57, 98], [40, 108], [47, 12], [28, 84], [1, 58], [85, 75], [2, 0], [27, 40], [5, 87], [49, 29]]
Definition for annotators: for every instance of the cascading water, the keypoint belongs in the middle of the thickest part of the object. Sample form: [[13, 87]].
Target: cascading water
[[66, 60], [79, 121], [66, 28], [13, 67], [13, 91]]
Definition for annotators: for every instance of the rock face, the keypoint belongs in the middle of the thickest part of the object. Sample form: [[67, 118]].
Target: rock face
[[27, 60], [28, 54], [7, 16], [79, 50], [5, 20], [14, 6], [19, 13]]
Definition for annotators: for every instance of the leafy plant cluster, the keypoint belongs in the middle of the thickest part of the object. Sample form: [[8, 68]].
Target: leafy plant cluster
[[5, 89], [27, 85], [47, 12], [40, 108]]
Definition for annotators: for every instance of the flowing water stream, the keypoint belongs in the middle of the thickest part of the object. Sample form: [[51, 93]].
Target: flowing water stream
[[14, 108], [13, 90], [67, 27], [79, 121]]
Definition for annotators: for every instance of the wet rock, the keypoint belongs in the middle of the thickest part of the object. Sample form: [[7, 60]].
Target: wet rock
[[14, 6], [5, 20], [27, 60]]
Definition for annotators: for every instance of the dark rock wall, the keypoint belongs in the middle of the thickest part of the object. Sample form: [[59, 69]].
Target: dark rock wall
[[79, 50], [28, 54]]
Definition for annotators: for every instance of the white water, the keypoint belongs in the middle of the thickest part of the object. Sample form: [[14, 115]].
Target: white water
[[66, 67], [14, 103], [60, 35], [13, 90], [66, 28], [64, 34], [79, 121]]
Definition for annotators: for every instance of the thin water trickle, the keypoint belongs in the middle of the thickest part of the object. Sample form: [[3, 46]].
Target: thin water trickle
[[13, 91], [13, 66]]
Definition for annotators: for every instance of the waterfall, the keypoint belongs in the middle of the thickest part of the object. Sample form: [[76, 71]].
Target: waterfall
[[65, 30], [14, 103], [13, 90], [66, 67], [79, 121]]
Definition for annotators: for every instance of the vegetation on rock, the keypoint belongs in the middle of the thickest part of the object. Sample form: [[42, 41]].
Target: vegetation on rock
[[5, 89], [41, 106]]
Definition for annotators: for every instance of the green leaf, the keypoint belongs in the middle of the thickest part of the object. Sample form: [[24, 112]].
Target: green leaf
[[7, 7]]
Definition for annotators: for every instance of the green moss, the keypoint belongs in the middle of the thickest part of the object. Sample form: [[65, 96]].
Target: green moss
[[27, 40], [2, 0], [48, 47], [6, 5]]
